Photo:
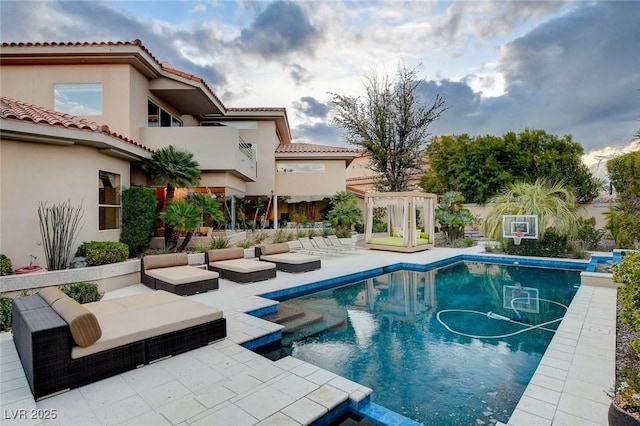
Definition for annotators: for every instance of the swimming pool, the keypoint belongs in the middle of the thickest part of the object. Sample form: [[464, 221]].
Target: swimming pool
[[441, 371]]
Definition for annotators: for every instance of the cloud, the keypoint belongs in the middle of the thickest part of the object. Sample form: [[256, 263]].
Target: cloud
[[323, 133], [311, 107], [299, 74], [279, 30]]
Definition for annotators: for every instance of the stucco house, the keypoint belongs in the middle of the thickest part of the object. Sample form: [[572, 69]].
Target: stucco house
[[78, 119]]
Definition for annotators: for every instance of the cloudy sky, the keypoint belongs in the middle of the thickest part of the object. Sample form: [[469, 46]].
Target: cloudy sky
[[568, 67]]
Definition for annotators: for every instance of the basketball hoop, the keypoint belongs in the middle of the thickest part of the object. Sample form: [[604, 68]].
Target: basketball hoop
[[517, 237]]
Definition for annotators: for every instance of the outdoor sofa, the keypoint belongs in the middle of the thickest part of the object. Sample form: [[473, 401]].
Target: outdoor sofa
[[63, 344], [231, 264], [285, 260], [172, 272]]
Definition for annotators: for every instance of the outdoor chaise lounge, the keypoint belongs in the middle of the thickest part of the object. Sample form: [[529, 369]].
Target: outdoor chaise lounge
[[172, 272], [281, 255], [63, 344], [231, 265]]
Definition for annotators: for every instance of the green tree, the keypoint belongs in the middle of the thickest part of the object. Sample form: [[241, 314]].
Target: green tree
[[482, 166], [176, 169], [344, 212], [554, 204], [391, 123], [187, 215], [451, 216], [138, 218], [623, 220]]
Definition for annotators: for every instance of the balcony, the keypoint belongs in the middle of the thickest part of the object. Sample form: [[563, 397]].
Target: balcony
[[214, 148]]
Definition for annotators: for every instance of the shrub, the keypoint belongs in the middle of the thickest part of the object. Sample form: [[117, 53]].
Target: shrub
[[219, 242], [343, 232], [587, 233], [5, 265], [82, 292], [103, 252], [463, 242], [6, 313], [138, 218], [301, 233], [201, 247], [627, 273], [551, 245], [281, 236], [312, 233], [246, 243]]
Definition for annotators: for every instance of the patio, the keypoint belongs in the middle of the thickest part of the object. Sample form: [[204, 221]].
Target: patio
[[224, 383]]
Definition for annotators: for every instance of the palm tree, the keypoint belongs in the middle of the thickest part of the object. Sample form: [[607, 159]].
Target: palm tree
[[185, 217], [555, 205], [452, 216], [176, 169], [210, 210], [344, 213]]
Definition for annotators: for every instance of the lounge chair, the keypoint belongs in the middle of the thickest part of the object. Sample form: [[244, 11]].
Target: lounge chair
[[285, 260], [64, 345], [322, 244], [335, 242], [231, 264], [311, 248], [172, 272]]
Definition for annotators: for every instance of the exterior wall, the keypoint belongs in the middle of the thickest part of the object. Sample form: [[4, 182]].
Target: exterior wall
[[266, 137], [34, 84], [327, 183], [32, 173], [596, 210], [233, 185]]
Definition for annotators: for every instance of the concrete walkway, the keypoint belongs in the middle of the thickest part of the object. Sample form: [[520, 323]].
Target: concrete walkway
[[224, 383]]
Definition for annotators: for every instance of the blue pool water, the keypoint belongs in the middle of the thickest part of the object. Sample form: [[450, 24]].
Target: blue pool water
[[392, 341]]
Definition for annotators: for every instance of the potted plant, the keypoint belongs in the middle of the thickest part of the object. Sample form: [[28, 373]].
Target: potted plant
[[625, 407]]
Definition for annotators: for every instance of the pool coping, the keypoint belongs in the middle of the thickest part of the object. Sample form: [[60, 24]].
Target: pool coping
[[544, 401]]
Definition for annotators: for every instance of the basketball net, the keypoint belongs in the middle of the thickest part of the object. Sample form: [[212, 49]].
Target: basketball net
[[517, 237]]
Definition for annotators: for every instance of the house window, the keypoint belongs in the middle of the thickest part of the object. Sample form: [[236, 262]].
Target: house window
[[301, 167], [78, 99], [108, 201], [159, 117]]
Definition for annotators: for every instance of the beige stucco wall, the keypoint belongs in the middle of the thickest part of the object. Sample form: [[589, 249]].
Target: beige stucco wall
[[32, 173], [327, 183], [596, 210], [34, 84], [266, 138]]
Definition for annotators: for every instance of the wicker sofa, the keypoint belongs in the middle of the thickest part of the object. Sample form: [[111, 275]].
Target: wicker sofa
[[231, 264], [285, 260], [172, 272], [63, 345]]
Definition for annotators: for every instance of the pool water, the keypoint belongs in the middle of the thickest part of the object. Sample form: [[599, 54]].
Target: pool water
[[392, 341]]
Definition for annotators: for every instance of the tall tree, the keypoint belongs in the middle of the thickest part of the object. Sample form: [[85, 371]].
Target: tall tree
[[479, 167], [391, 123], [176, 169]]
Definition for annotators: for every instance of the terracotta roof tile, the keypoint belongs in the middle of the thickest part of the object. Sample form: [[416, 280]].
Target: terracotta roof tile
[[303, 148], [24, 111]]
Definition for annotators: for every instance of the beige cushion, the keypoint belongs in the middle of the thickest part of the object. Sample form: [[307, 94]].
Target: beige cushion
[[51, 294], [275, 248], [154, 261], [225, 254], [243, 265], [181, 274], [143, 322], [291, 258], [83, 324]]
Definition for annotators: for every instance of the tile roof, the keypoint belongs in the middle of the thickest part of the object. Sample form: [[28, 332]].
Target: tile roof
[[24, 111], [304, 148], [137, 42]]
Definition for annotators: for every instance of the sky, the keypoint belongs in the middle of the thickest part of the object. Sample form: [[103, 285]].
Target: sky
[[567, 67]]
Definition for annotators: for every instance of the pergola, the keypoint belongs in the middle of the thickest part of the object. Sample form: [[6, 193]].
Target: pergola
[[410, 219]]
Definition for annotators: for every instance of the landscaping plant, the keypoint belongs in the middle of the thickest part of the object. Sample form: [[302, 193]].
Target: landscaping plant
[[627, 392], [138, 218], [82, 292], [103, 252], [59, 227], [6, 311], [5, 265]]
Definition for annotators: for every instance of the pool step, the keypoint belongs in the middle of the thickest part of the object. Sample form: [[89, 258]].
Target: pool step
[[327, 322], [286, 312]]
